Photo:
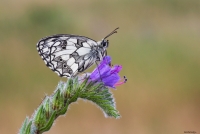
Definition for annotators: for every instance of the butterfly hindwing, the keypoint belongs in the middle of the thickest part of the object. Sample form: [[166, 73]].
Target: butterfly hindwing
[[67, 54]]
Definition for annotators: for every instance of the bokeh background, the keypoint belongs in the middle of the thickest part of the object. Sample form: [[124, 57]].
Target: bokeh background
[[158, 44]]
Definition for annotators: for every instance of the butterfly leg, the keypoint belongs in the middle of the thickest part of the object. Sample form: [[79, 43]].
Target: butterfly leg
[[98, 71], [83, 76]]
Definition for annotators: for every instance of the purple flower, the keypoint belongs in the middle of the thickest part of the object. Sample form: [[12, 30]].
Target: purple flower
[[107, 74]]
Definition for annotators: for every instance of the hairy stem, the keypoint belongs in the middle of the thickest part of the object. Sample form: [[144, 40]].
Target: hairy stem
[[65, 94]]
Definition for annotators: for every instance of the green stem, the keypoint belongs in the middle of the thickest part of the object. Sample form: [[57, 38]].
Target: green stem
[[65, 94]]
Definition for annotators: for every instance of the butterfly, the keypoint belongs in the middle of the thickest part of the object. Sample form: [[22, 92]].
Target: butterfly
[[67, 54]]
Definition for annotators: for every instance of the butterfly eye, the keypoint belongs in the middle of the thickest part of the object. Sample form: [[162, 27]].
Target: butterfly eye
[[61, 59], [105, 44]]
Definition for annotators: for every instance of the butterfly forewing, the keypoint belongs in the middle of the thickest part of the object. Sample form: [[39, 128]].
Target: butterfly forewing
[[67, 54]]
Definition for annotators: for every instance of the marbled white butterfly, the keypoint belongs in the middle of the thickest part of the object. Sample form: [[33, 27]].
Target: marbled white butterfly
[[68, 55]]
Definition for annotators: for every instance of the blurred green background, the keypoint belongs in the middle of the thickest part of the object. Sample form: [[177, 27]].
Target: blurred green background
[[158, 44]]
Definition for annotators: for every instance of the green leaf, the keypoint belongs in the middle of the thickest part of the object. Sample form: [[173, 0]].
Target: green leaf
[[47, 107], [28, 128], [102, 98], [56, 100], [49, 123], [24, 125], [39, 117]]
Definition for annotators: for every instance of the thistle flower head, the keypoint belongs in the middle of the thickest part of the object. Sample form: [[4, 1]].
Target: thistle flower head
[[107, 74]]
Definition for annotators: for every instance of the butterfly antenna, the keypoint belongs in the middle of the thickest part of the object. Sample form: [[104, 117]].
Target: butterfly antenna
[[114, 31]]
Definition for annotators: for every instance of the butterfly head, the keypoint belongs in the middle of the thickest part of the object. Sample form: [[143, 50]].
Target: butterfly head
[[104, 43]]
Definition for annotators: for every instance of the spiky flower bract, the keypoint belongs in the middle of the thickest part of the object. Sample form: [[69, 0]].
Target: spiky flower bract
[[93, 88]]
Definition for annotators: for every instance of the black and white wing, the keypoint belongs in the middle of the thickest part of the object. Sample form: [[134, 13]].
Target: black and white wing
[[67, 54]]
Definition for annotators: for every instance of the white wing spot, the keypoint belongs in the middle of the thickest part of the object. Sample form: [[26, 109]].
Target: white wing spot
[[70, 61], [64, 52], [86, 44], [45, 61], [71, 48], [50, 67], [48, 59], [51, 57], [45, 49], [57, 43], [73, 40], [65, 57], [70, 43], [53, 49], [67, 75], [59, 70], [54, 64], [42, 42], [92, 43], [40, 47], [50, 44], [63, 38], [74, 67], [82, 51]]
